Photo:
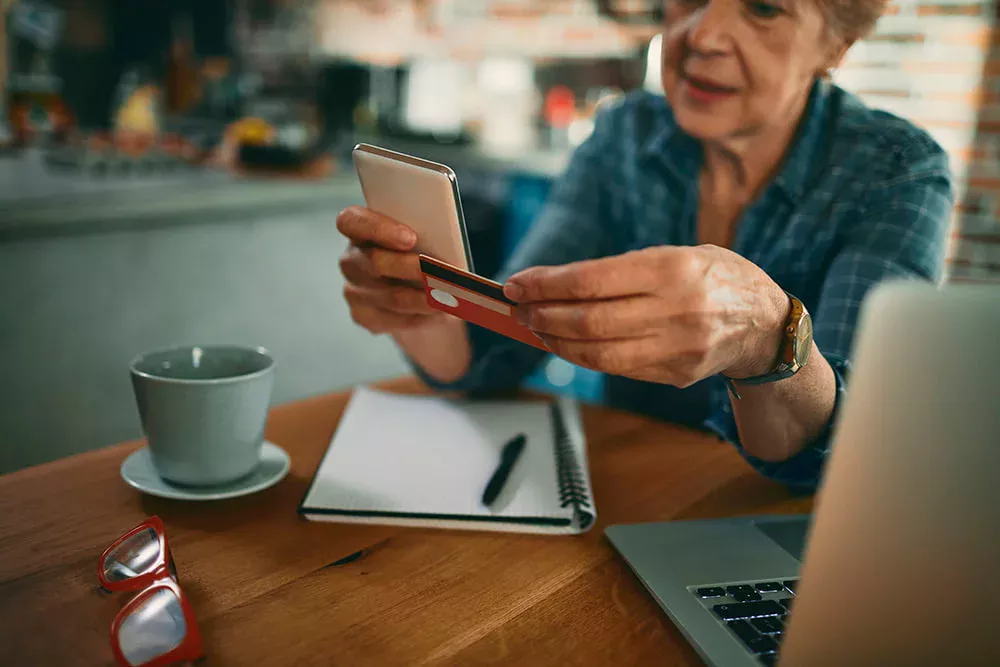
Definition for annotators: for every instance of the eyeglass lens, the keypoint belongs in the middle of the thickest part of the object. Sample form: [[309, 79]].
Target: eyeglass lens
[[154, 628], [133, 557]]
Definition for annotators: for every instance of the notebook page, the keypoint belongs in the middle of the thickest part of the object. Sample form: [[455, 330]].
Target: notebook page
[[430, 455]]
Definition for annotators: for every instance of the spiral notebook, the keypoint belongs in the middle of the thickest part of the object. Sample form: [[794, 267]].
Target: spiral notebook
[[425, 461]]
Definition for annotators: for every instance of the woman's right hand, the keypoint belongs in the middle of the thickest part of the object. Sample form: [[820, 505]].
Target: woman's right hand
[[382, 276]]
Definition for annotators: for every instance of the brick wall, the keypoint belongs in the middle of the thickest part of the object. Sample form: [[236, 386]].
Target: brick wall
[[937, 63]]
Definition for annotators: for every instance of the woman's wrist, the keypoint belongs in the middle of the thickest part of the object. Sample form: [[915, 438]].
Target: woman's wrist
[[763, 343], [441, 348]]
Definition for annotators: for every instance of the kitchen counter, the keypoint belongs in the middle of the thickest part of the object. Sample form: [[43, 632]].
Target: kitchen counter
[[37, 201]]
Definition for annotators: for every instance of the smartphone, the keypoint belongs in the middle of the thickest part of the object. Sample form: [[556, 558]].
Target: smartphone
[[418, 193]]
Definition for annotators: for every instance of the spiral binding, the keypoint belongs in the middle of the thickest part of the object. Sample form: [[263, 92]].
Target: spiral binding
[[572, 484]]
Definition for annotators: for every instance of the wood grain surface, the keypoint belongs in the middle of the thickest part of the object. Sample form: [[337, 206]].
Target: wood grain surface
[[269, 588]]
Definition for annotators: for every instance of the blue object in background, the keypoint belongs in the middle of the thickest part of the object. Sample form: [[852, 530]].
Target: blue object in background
[[527, 196]]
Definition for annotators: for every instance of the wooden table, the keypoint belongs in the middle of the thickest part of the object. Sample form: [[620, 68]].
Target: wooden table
[[268, 589]]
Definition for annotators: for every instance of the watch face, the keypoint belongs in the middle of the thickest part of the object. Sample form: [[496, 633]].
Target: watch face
[[803, 340]]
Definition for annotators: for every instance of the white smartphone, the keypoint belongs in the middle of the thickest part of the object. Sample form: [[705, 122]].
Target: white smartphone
[[418, 193]]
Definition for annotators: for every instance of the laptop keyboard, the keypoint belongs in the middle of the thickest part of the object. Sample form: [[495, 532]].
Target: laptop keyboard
[[756, 612]]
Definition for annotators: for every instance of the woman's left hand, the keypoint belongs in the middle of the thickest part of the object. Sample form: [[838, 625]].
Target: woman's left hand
[[668, 314]]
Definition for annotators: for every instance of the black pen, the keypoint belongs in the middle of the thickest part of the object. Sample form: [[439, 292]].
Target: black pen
[[508, 457]]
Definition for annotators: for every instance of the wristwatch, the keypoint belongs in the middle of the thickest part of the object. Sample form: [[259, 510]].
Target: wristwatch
[[796, 344]]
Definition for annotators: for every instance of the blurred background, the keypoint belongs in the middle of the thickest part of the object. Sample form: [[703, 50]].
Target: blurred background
[[170, 170]]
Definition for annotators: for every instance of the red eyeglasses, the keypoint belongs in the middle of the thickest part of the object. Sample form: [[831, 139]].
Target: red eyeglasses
[[157, 627]]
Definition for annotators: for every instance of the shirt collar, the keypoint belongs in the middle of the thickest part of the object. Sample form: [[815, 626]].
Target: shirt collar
[[672, 148], [801, 160], [681, 154]]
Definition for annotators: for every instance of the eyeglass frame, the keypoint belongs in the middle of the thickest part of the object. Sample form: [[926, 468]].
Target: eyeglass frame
[[161, 576]]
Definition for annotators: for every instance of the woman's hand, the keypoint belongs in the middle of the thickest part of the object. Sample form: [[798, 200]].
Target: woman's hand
[[382, 273], [673, 315]]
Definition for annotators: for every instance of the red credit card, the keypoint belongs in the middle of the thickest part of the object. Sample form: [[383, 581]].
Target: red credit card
[[474, 299]]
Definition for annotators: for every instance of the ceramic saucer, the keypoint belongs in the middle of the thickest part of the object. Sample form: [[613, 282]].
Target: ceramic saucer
[[138, 471]]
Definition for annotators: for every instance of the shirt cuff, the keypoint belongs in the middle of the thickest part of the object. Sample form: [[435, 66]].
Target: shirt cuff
[[803, 471], [498, 364]]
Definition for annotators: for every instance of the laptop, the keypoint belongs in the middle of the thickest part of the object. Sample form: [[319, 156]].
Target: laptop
[[900, 562]]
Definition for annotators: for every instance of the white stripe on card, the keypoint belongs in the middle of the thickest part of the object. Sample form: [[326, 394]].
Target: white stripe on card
[[471, 297]]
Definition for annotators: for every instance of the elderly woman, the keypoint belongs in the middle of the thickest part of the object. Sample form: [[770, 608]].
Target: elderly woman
[[709, 251]]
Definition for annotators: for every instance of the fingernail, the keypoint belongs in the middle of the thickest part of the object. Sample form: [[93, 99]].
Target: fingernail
[[513, 291], [522, 315]]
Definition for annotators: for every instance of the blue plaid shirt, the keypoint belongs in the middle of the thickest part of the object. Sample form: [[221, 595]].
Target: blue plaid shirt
[[862, 197]]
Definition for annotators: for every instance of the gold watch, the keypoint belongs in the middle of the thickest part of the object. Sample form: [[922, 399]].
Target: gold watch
[[793, 354]]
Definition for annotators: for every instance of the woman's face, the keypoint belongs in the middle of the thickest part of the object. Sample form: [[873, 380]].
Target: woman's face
[[734, 68]]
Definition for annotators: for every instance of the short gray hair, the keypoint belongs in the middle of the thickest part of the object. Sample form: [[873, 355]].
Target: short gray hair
[[852, 20]]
